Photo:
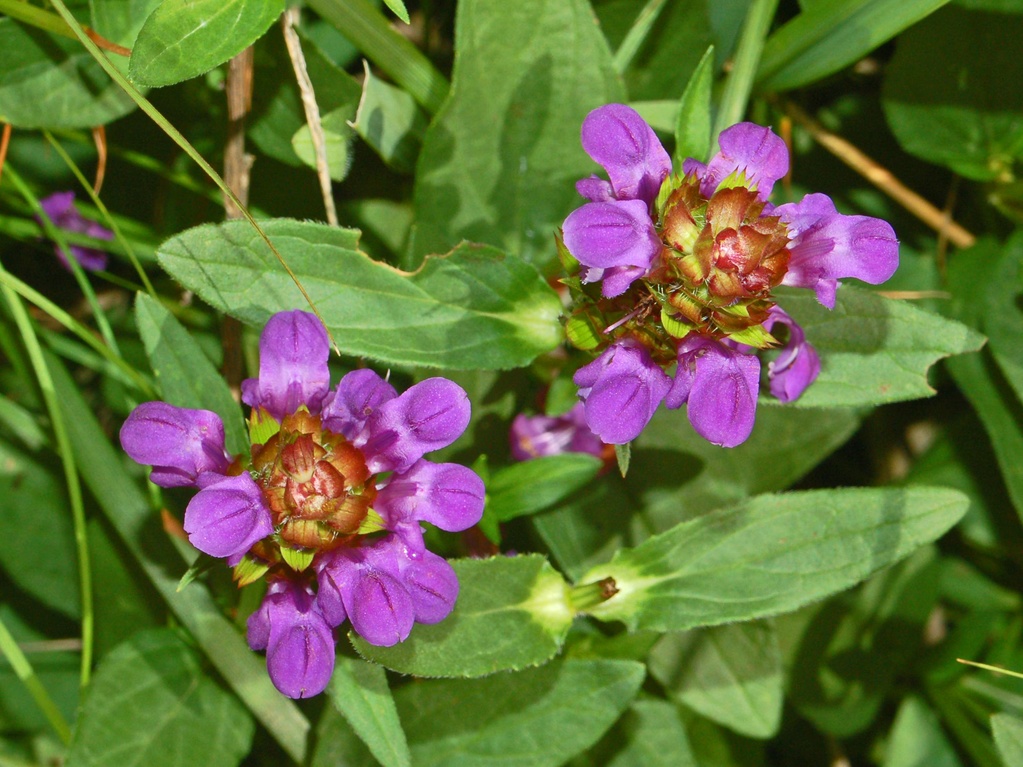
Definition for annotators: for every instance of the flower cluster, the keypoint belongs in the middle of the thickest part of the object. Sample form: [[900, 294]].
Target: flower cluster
[[686, 265], [535, 436], [60, 209], [327, 505]]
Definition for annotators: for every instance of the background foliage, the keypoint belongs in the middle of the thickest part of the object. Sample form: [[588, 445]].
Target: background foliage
[[801, 599]]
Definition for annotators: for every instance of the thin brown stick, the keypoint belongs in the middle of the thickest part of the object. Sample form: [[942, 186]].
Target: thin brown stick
[[237, 174], [99, 137], [882, 178], [105, 44], [5, 141], [312, 110]]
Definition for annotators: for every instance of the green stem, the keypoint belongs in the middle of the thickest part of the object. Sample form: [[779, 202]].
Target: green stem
[[371, 33], [739, 83], [74, 487], [55, 233], [634, 38], [107, 218], [24, 671]]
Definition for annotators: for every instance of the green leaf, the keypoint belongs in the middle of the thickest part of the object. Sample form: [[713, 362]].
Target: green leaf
[[945, 97], [510, 182], [532, 486], [917, 739], [692, 127], [277, 110], [398, 9], [391, 122], [186, 376], [38, 551], [359, 691], [511, 612], [337, 139], [830, 35], [182, 39], [131, 515], [770, 555], [48, 81], [873, 349], [120, 20], [730, 674], [1002, 320], [649, 734], [535, 718], [855, 646], [474, 308], [151, 703], [1008, 731]]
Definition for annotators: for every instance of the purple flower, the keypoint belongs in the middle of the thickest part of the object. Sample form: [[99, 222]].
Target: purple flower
[[328, 506], [541, 435], [687, 265], [59, 208], [620, 390]]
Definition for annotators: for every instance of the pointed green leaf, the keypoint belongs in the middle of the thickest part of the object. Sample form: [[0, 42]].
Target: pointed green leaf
[[535, 718], [337, 139], [474, 308], [47, 81], [873, 349], [359, 691], [692, 128], [1008, 731], [532, 486], [649, 734], [182, 39], [771, 554], [186, 376], [151, 703], [391, 122], [510, 182], [917, 739], [731, 674], [831, 34], [511, 612]]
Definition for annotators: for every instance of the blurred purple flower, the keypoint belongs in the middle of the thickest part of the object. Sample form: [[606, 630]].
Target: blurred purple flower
[[60, 209], [534, 436], [335, 498], [687, 265]]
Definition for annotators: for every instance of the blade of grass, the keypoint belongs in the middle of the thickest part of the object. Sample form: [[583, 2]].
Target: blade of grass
[[107, 218], [146, 106], [637, 33], [71, 478], [34, 297], [55, 233], [739, 82], [130, 513], [371, 33], [24, 671]]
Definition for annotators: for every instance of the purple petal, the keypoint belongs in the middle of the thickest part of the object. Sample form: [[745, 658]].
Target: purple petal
[[621, 389], [750, 149], [798, 364], [380, 608], [606, 234], [428, 416], [595, 189], [299, 643], [827, 246], [628, 149], [293, 352], [432, 585], [59, 208], [227, 517], [720, 385], [447, 495], [333, 570], [358, 395], [539, 435], [179, 444], [617, 279]]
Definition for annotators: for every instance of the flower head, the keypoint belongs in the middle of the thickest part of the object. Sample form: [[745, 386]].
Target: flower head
[[687, 274], [60, 209], [328, 504]]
